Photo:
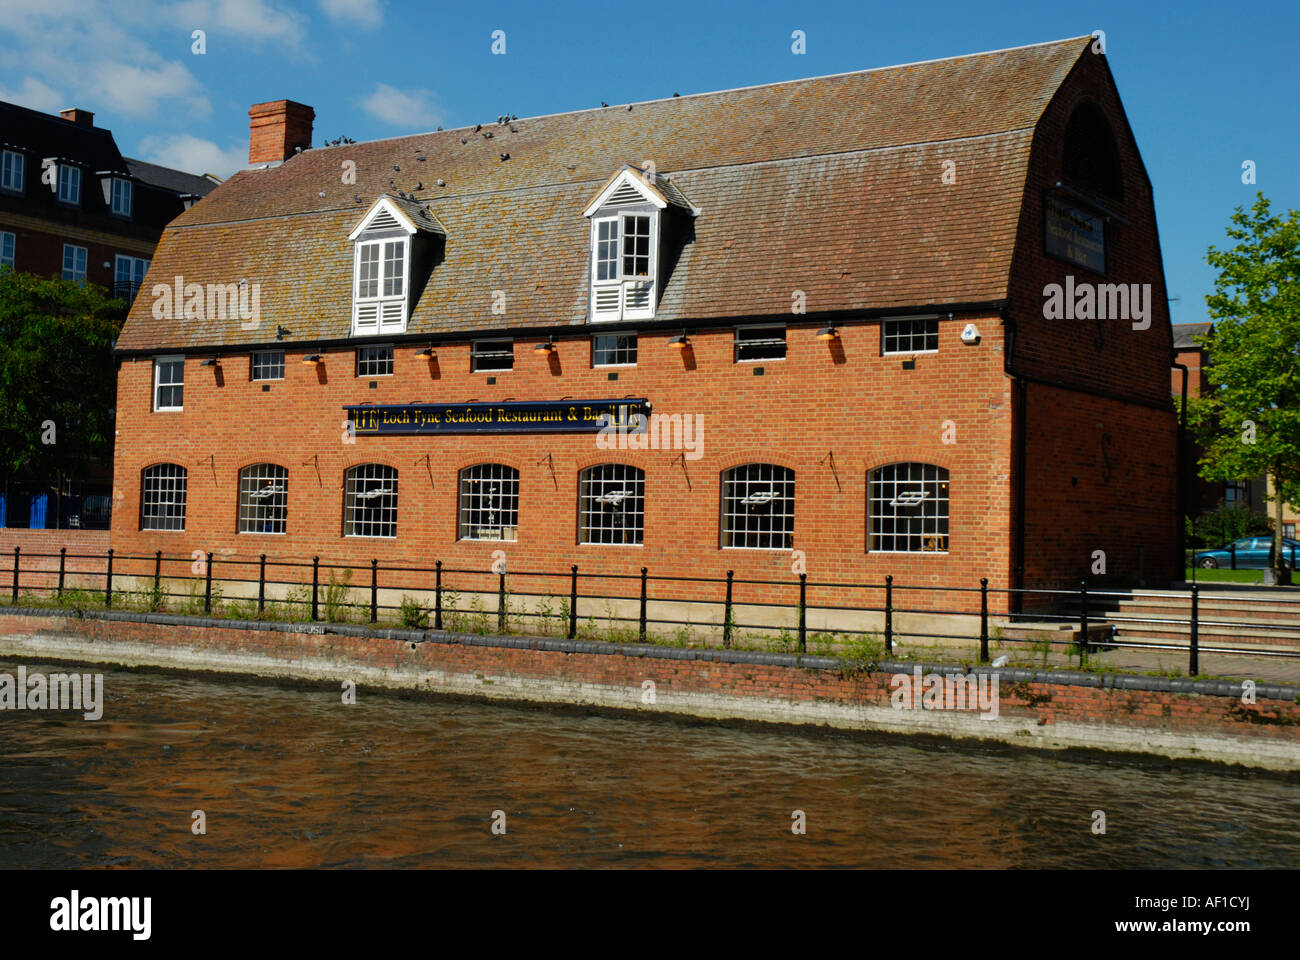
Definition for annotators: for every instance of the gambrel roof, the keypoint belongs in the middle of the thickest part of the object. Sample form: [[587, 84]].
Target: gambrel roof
[[833, 186]]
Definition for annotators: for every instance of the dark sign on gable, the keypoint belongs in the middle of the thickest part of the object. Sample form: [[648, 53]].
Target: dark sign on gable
[[562, 416], [1074, 235]]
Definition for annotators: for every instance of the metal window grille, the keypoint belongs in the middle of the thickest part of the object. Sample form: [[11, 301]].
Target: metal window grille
[[611, 504], [636, 246], [267, 365], [758, 507], [908, 508], [760, 343], [370, 501], [492, 355], [910, 335], [169, 384], [489, 502], [162, 497], [263, 498], [613, 350], [375, 361]]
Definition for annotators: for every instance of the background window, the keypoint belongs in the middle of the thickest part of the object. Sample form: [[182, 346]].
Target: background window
[[13, 168], [74, 263], [69, 184], [758, 507], [492, 355], [123, 193], [908, 507], [128, 275], [7, 247], [267, 365], [760, 343], [489, 502], [162, 497], [1288, 530], [168, 383], [374, 361], [370, 501], [263, 498], [910, 335], [611, 499], [613, 350]]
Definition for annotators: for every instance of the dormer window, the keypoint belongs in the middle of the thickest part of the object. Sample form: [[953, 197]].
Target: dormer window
[[626, 224], [387, 244], [69, 184], [123, 196]]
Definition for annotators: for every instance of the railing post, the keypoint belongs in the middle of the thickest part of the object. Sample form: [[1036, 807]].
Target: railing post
[[984, 619], [207, 585], [501, 601], [1083, 621], [437, 596], [889, 613], [261, 585], [17, 550], [1232, 554], [315, 586], [803, 612], [1194, 659], [726, 623], [573, 601], [374, 591], [63, 556], [642, 631], [157, 574], [108, 587]]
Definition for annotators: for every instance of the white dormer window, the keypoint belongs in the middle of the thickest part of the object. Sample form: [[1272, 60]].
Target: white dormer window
[[625, 228], [69, 184], [123, 195], [385, 243]]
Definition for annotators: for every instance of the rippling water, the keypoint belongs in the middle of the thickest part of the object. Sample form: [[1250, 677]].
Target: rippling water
[[291, 777]]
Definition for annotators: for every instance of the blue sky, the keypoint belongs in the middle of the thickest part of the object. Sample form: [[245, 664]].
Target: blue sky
[[1206, 86]]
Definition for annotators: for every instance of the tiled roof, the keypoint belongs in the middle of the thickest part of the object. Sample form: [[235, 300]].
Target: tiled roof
[[169, 179], [1184, 332], [833, 186]]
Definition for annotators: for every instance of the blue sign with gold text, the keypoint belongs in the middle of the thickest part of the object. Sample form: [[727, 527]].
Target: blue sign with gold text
[[554, 416]]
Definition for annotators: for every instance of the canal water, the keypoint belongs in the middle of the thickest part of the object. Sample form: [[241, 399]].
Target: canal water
[[293, 777]]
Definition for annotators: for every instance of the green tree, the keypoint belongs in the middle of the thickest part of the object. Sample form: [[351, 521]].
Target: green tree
[[58, 378], [1249, 421]]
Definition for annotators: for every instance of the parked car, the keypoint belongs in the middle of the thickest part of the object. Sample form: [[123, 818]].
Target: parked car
[[1251, 553]]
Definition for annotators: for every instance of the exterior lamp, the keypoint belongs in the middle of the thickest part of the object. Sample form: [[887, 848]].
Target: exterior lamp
[[547, 347], [211, 362], [828, 333], [312, 358], [679, 342], [428, 353]]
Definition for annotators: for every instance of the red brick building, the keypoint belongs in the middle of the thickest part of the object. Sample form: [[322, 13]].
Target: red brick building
[[841, 286]]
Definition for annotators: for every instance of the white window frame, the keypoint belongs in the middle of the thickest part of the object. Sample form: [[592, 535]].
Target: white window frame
[[80, 255], [263, 499], [157, 372], [9, 240], [252, 365], [392, 360], [161, 480], [609, 479], [360, 480], [737, 486], [476, 351], [884, 335], [737, 343], [500, 500], [941, 514], [125, 207], [134, 262], [613, 333], [14, 178], [623, 284], [72, 195]]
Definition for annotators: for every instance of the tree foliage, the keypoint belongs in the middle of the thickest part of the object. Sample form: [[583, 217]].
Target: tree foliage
[[56, 371]]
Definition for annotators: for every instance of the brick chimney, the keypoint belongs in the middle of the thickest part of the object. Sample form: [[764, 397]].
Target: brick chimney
[[276, 128], [82, 118]]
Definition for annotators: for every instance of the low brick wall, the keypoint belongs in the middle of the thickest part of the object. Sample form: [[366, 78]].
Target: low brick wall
[[1168, 717]]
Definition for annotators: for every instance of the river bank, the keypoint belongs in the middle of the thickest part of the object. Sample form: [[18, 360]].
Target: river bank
[[1053, 710]]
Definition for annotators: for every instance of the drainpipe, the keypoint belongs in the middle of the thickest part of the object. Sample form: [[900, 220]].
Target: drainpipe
[[1180, 485], [1019, 398]]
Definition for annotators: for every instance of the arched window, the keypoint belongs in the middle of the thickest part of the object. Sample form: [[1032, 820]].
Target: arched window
[[907, 508], [758, 507], [1091, 160], [611, 504], [370, 501], [162, 497], [263, 498], [489, 502]]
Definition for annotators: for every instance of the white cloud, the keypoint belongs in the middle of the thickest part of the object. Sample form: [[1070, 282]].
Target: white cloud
[[183, 151], [247, 20], [134, 90], [413, 109], [361, 13], [35, 95]]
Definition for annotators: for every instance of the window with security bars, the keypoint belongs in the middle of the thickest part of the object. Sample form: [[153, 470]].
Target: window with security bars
[[492, 355], [162, 497], [613, 350], [907, 506], [910, 335], [375, 361], [489, 502], [267, 365], [611, 501], [760, 343], [758, 507], [370, 501], [263, 498]]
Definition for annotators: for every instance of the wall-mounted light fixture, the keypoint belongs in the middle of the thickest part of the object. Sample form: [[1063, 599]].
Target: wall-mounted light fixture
[[547, 347], [428, 353], [828, 333], [211, 362], [312, 358], [680, 342]]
